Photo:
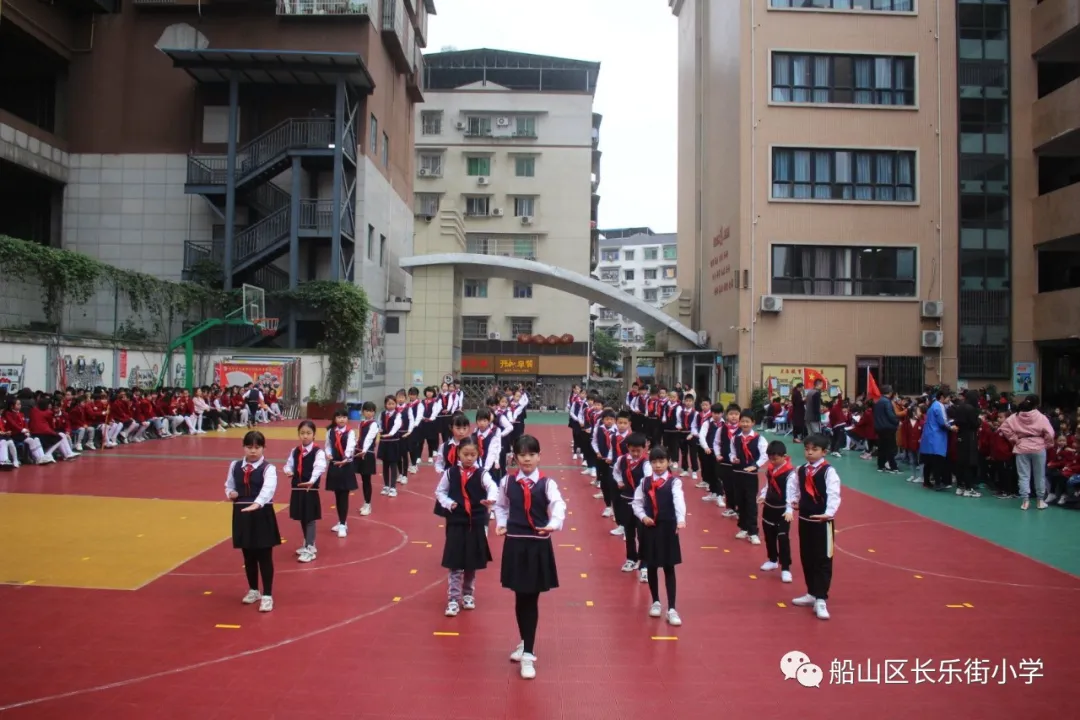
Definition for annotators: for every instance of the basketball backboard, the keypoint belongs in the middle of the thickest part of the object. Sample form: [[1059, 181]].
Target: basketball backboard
[[254, 299]]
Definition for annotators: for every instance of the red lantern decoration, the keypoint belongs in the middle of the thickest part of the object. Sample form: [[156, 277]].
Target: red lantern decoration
[[538, 339], [567, 339], [523, 338], [553, 339]]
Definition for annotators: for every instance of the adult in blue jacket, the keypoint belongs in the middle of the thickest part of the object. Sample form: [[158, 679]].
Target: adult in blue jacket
[[934, 446]]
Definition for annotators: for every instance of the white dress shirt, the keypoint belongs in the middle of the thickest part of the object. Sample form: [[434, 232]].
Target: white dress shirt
[[266, 495], [556, 505]]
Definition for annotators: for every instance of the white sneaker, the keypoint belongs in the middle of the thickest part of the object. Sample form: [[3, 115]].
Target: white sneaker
[[619, 531], [655, 610], [959, 491], [709, 498], [519, 651], [528, 666], [252, 597], [452, 609], [585, 471], [78, 447], [403, 480], [729, 513], [608, 512], [266, 604], [673, 618], [754, 540], [366, 510], [342, 531], [742, 535], [335, 528], [785, 576], [629, 566], [412, 469], [720, 501], [643, 575], [301, 550], [468, 602], [592, 472], [702, 486], [804, 601], [306, 556], [385, 490], [820, 610], [392, 493], [769, 565], [693, 475]]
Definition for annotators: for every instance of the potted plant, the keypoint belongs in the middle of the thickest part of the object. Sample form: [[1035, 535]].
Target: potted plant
[[318, 407]]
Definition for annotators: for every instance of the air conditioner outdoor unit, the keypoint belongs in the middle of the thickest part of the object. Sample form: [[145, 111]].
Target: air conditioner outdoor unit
[[502, 122], [933, 338], [482, 181], [496, 212], [771, 304], [423, 172], [460, 126], [428, 218], [933, 308], [494, 336], [526, 219]]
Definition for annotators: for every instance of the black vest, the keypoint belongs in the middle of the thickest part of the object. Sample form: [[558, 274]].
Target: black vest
[[631, 477], [247, 493], [664, 508], [336, 454], [518, 523], [776, 485], [253, 395], [365, 428], [386, 424], [747, 449], [725, 443], [483, 442], [603, 440], [813, 497], [710, 434], [474, 488], [302, 469]]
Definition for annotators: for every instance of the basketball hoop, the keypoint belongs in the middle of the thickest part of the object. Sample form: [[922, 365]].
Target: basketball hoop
[[267, 326]]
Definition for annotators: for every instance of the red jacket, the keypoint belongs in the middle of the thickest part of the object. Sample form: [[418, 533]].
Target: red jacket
[[96, 412], [985, 438], [865, 427], [911, 434], [77, 417], [237, 401], [1060, 459], [837, 416], [144, 410], [60, 421], [41, 422], [1000, 448], [187, 406], [121, 411]]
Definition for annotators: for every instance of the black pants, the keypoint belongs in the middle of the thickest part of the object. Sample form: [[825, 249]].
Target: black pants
[[443, 424], [815, 554], [673, 443], [966, 476], [604, 473], [587, 451], [745, 485], [252, 409], [429, 434], [527, 610], [258, 562], [669, 584], [653, 430], [688, 452], [886, 454], [777, 535], [708, 472], [838, 439], [637, 422], [581, 441], [365, 481], [341, 502], [631, 526], [935, 470], [726, 473]]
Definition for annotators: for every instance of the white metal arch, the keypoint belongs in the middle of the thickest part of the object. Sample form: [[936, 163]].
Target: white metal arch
[[538, 273]]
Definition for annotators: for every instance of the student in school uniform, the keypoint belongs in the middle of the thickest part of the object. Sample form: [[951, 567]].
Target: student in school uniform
[[429, 410], [465, 494], [722, 449], [501, 421], [686, 420], [669, 425], [415, 443], [573, 405], [41, 428], [304, 468], [340, 473], [447, 457], [489, 444], [630, 469], [815, 491], [529, 509], [254, 399], [364, 460], [445, 413], [602, 451], [661, 507], [406, 439], [391, 425], [702, 437], [773, 501], [250, 485], [748, 455], [617, 437]]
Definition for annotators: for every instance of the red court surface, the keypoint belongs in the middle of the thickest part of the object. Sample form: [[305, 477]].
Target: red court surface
[[354, 634]]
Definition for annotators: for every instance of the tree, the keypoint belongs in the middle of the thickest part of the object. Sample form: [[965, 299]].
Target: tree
[[650, 341], [606, 351]]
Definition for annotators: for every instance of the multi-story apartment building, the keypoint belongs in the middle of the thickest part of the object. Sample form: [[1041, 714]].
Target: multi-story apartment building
[[890, 185], [507, 165], [641, 263], [268, 141]]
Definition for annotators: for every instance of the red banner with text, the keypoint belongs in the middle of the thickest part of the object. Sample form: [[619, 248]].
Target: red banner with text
[[240, 374]]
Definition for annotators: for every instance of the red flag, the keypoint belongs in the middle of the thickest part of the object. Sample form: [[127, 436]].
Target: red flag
[[872, 391]]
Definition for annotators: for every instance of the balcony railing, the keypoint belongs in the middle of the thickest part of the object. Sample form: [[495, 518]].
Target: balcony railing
[[262, 151], [317, 215], [1055, 121], [395, 37], [348, 8]]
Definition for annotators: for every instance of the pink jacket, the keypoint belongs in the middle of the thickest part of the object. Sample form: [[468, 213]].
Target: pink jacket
[[1029, 432]]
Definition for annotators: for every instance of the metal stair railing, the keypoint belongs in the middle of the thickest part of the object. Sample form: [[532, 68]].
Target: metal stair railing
[[260, 236], [262, 152]]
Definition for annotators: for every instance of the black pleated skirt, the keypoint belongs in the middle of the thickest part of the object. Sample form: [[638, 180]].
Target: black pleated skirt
[[466, 546], [341, 478], [365, 465], [256, 530], [305, 505], [660, 545], [390, 451], [528, 565]]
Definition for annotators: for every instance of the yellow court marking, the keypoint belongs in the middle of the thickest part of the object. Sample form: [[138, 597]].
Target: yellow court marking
[[781, 605], [664, 637], [333, 507], [584, 575], [577, 549], [104, 526], [588, 603], [397, 599], [708, 547], [412, 572], [445, 634], [428, 545], [705, 530], [573, 529], [208, 592], [567, 545], [753, 577], [960, 606], [30, 582], [968, 605], [442, 526], [85, 559], [871, 550], [726, 550], [918, 577], [419, 542], [228, 627]]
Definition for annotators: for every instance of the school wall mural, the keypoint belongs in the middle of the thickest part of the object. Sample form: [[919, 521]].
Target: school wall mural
[[83, 369], [780, 380], [374, 367]]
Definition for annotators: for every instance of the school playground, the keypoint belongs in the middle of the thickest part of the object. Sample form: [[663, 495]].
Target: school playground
[[121, 599]]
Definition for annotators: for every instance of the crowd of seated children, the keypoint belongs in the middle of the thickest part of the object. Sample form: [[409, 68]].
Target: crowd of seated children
[[41, 428]]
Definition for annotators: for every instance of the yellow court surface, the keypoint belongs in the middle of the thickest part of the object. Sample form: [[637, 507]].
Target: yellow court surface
[[287, 432], [103, 543]]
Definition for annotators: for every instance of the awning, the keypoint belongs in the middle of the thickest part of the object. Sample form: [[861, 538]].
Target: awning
[[272, 67]]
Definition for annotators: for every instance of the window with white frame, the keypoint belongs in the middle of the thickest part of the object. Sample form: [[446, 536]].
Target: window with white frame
[[867, 5], [525, 126], [525, 166], [669, 272], [628, 275], [522, 290], [671, 252], [651, 253], [475, 288], [431, 164], [477, 126], [431, 122], [478, 166], [609, 255], [524, 205], [651, 295], [606, 314], [520, 246], [474, 328], [666, 292], [628, 255], [373, 135], [844, 271], [478, 205], [835, 174], [521, 326], [385, 150], [650, 274], [609, 274], [427, 204]]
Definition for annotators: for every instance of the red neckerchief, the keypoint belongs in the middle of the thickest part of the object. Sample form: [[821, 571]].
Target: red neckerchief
[[775, 473], [620, 444], [746, 440], [480, 442], [388, 421], [248, 469], [338, 433], [526, 486], [811, 489], [631, 466], [466, 475], [657, 483], [451, 454], [301, 453]]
